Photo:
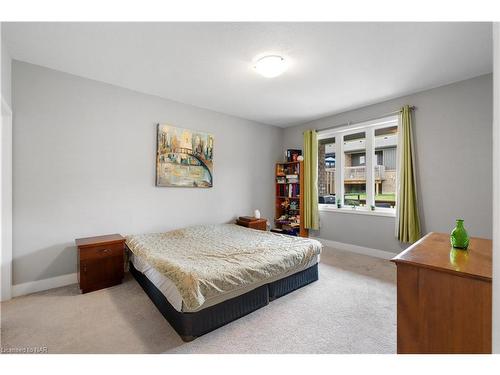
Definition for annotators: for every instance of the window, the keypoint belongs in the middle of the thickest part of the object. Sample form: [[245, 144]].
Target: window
[[326, 169], [357, 167], [386, 143], [354, 169]]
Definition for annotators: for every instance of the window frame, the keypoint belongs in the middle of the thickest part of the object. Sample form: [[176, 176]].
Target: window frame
[[368, 127]]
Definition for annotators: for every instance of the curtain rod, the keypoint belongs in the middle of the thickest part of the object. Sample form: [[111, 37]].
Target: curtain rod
[[370, 119]]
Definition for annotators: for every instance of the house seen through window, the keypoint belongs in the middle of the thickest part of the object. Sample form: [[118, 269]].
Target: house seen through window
[[344, 161]]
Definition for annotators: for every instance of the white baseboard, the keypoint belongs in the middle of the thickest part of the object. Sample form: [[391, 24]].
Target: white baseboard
[[45, 284], [357, 249]]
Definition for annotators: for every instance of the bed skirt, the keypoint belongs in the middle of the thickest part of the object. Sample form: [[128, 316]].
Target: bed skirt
[[191, 325]]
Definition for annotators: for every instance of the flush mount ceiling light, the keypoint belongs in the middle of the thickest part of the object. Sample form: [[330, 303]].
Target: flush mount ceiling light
[[270, 66]]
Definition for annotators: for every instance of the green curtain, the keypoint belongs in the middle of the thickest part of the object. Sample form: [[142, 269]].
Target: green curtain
[[408, 222], [310, 189]]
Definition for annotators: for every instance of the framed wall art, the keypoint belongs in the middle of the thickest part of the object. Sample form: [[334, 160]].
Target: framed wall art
[[184, 157]]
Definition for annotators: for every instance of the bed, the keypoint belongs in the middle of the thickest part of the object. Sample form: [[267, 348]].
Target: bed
[[205, 276]]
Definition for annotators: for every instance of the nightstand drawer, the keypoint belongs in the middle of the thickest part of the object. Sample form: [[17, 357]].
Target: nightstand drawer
[[101, 251]]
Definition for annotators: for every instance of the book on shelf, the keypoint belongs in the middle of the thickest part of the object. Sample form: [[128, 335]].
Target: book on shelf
[[289, 190]]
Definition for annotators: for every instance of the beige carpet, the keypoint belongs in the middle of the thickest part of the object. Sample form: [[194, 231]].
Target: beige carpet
[[351, 309]]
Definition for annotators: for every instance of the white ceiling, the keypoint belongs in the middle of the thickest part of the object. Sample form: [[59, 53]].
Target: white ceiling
[[334, 66]]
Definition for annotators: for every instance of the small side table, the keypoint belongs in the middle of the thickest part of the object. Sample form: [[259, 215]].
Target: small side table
[[100, 261], [252, 222]]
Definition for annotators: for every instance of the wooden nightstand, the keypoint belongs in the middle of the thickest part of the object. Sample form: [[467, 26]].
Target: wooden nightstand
[[100, 261], [252, 222]]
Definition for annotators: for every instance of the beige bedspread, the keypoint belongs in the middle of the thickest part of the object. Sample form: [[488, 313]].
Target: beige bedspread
[[207, 260]]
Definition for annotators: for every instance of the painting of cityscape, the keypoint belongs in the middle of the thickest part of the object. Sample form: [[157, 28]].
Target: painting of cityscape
[[184, 158]]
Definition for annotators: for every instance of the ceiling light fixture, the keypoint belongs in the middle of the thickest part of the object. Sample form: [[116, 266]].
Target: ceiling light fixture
[[270, 66]]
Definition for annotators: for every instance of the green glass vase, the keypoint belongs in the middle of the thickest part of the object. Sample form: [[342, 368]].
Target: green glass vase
[[459, 237]]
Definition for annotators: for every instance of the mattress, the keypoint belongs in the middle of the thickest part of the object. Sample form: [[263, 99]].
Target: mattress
[[171, 293], [201, 266]]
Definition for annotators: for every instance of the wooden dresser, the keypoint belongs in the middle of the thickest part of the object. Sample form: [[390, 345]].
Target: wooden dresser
[[444, 296], [100, 261]]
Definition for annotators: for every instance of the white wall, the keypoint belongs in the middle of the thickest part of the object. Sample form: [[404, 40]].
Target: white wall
[[453, 157], [84, 165], [6, 175], [496, 188], [6, 72]]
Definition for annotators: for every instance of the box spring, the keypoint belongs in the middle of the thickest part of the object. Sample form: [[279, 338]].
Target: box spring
[[190, 325]]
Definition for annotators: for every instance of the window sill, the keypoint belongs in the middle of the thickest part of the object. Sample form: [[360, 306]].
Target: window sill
[[358, 211]]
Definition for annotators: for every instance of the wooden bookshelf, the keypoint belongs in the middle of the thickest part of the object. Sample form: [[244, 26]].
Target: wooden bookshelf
[[289, 202]]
